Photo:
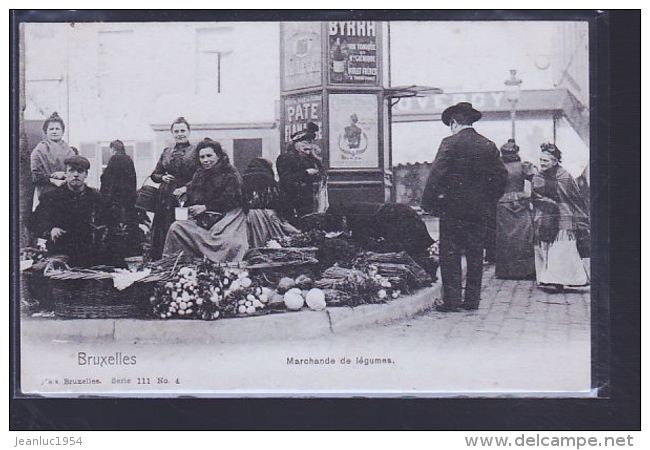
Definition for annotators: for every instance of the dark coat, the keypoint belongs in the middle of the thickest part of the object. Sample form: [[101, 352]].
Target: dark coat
[[296, 185], [119, 189], [181, 161], [218, 188], [467, 176], [76, 213], [119, 193]]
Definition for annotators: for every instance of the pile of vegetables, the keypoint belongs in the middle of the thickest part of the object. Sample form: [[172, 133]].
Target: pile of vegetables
[[344, 275], [352, 287], [207, 291]]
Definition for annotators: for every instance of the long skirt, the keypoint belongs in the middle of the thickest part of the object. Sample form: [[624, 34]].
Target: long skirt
[[264, 225], [515, 253], [559, 262], [226, 241]]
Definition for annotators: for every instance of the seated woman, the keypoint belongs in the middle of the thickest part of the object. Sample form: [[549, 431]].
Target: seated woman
[[261, 200], [217, 225]]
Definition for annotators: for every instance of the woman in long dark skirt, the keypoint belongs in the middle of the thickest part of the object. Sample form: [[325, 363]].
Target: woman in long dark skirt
[[515, 253], [119, 193], [174, 171]]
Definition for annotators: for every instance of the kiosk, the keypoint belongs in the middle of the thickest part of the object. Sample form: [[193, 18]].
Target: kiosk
[[333, 74]]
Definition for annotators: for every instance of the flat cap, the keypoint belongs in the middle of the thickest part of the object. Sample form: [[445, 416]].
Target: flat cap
[[77, 161]]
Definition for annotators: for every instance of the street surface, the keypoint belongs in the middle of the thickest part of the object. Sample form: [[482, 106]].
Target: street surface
[[522, 339]]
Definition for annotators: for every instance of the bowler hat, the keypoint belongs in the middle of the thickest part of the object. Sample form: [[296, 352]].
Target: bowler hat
[[464, 109], [77, 161]]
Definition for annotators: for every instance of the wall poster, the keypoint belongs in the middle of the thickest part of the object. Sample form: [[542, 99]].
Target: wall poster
[[297, 112], [301, 44], [353, 52], [353, 138]]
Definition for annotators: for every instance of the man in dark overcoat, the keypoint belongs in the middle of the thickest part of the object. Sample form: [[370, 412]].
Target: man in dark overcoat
[[467, 177], [68, 216]]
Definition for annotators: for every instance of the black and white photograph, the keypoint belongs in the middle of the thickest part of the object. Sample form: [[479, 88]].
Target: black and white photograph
[[358, 208]]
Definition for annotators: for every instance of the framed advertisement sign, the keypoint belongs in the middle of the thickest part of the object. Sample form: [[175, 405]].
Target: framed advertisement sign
[[301, 44], [353, 136], [353, 53], [298, 111]]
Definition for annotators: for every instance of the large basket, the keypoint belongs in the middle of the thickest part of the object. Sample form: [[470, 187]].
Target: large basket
[[90, 295], [304, 262]]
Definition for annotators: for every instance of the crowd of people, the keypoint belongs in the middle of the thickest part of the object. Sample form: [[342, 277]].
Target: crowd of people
[[226, 213], [534, 221]]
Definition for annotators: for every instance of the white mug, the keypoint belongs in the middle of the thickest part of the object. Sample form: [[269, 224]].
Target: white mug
[[181, 213]]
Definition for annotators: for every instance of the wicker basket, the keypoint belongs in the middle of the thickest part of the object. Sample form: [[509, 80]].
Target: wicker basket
[[273, 272], [81, 294]]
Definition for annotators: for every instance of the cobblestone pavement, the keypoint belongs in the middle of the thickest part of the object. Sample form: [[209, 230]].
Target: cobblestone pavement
[[513, 311]]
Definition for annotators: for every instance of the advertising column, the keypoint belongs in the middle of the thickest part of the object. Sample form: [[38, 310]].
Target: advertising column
[[356, 112], [331, 74]]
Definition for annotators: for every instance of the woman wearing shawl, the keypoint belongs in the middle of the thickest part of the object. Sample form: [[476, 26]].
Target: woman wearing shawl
[[515, 253], [119, 193], [217, 226], [560, 217], [174, 171], [46, 162], [261, 200]]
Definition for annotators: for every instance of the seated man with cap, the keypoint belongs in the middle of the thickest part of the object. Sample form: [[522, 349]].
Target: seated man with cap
[[67, 216]]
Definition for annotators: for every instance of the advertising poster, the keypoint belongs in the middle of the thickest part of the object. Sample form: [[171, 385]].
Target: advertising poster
[[353, 131], [301, 43], [353, 52], [298, 112]]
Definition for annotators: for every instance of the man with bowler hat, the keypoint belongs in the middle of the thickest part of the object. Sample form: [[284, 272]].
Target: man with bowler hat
[[467, 177]]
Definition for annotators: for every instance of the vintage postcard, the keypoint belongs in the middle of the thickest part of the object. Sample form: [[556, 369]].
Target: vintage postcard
[[333, 208]]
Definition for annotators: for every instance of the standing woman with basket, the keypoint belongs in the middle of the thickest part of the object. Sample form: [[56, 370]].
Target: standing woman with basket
[[174, 171], [47, 158]]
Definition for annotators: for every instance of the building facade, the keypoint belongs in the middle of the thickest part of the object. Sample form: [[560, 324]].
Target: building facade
[[129, 81]]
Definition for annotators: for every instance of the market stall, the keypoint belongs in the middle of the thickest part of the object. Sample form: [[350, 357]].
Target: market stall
[[314, 270]]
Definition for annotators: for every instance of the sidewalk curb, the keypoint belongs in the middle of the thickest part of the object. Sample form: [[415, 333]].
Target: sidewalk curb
[[290, 325]]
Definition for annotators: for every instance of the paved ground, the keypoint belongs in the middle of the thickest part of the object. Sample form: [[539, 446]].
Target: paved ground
[[514, 311], [521, 339]]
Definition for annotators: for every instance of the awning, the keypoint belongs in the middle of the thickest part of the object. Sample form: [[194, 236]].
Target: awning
[[416, 109]]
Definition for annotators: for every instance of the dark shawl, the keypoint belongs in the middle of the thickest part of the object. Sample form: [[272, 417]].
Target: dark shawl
[[260, 190], [218, 188], [559, 205]]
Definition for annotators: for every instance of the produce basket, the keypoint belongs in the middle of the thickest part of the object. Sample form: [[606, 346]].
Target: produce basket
[[90, 294], [272, 264]]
